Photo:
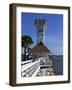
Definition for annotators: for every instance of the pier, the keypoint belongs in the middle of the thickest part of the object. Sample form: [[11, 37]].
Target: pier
[[36, 68]]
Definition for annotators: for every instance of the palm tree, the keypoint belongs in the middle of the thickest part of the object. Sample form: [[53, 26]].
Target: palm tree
[[26, 42]]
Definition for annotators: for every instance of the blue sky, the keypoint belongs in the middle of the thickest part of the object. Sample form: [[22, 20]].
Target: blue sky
[[53, 33]]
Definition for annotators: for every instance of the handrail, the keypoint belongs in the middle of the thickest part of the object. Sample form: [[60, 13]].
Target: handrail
[[26, 62], [24, 67], [30, 68]]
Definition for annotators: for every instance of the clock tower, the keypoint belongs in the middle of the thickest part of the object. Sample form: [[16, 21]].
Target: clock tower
[[40, 26]]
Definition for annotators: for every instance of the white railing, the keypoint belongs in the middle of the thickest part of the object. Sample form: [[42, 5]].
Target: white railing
[[26, 62], [30, 68]]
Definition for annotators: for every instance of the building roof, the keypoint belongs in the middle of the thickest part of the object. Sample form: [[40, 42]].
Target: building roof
[[39, 48]]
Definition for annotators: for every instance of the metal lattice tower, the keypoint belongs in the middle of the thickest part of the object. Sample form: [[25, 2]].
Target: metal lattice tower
[[40, 26]]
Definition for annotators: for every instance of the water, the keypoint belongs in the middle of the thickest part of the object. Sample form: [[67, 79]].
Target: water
[[58, 64]]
